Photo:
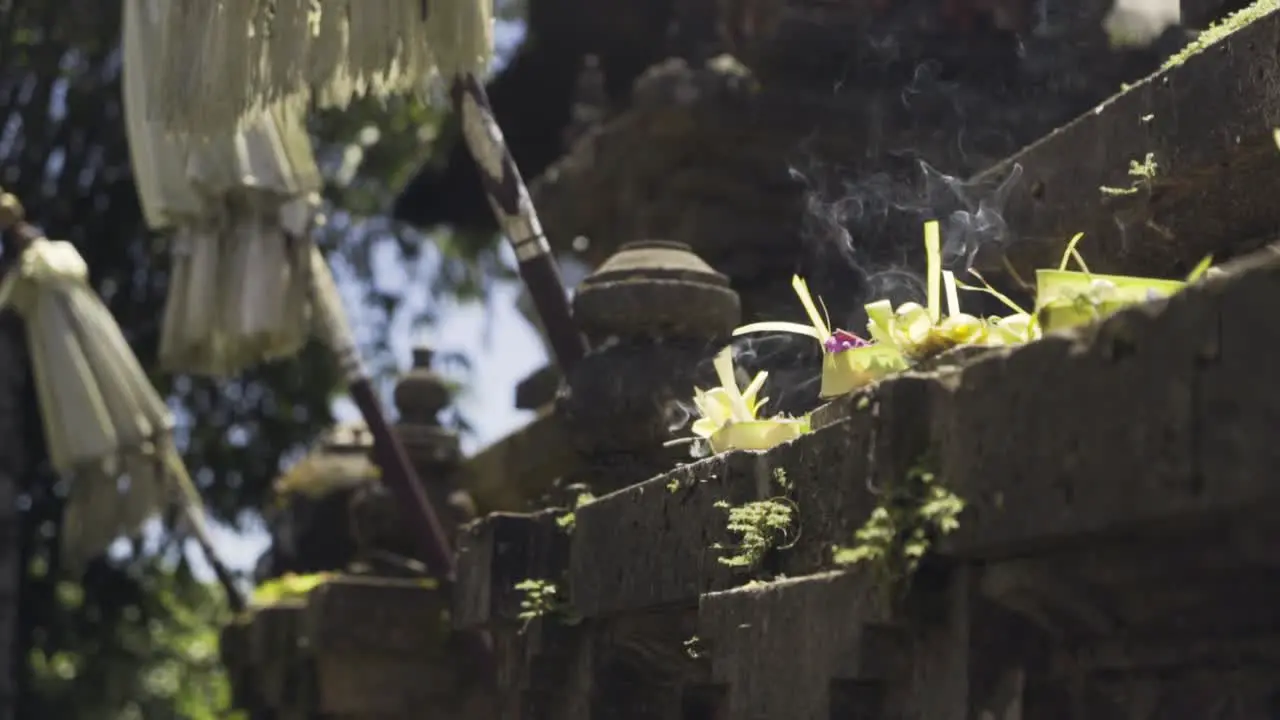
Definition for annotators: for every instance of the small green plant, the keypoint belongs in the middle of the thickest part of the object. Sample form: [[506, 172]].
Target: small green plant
[[760, 526], [1143, 173], [901, 530], [541, 599], [1220, 29], [569, 519]]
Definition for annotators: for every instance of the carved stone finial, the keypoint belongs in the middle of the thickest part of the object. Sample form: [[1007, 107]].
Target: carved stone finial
[[422, 393], [654, 313], [435, 452], [655, 288], [419, 397]]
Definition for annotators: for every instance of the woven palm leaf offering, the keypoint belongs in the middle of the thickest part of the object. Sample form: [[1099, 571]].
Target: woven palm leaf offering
[[729, 416], [238, 205], [902, 336], [108, 432], [1069, 298], [848, 361], [923, 332]]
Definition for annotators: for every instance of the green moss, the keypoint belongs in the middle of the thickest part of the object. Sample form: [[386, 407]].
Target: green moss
[[1221, 29], [759, 526], [288, 587], [541, 599], [569, 519], [900, 532], [1143, 174]]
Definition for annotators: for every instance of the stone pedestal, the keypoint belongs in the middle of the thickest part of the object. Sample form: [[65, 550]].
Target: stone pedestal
[[310, 521], [654, 314]]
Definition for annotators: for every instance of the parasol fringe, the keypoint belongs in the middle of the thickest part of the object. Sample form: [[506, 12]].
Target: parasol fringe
[[238, 204], [460, 36], [107, 429], [223, 60]]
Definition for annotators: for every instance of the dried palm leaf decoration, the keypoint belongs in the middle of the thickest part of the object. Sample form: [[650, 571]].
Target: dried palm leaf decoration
[[238, 204], [108, 431]]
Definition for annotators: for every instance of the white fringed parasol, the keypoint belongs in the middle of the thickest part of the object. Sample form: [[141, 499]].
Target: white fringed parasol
[[238, 204], [220, 60], [108, 432], [224, 61], [1138, 23]]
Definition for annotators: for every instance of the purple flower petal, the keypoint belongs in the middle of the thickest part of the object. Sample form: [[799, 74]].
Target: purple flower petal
[[842, 340]]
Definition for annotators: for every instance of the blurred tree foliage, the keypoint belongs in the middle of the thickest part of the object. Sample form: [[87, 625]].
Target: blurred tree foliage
[[134, 637]]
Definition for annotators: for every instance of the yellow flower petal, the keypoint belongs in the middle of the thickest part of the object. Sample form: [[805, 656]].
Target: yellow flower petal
[[880, 321], [705, 428]]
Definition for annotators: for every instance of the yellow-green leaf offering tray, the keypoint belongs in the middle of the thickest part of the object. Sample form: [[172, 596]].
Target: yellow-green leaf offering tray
[[1070, 298], [846, 371], [848, 361], [758, 434], [728, 417]]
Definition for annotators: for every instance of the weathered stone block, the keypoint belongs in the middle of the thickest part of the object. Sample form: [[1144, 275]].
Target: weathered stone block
[[827, 477], [1207, 123], [498, 551], [652, 543], [374, 685], [1161, 412], [352, 615], [274, 655], [777, 647]]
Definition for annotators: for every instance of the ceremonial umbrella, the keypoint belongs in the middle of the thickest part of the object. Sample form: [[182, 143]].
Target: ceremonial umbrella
[[238, 204], [223, 61], [108, 432]]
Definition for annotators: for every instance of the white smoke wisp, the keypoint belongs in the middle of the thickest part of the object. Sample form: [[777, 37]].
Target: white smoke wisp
[[978, 220], [1138, 23]]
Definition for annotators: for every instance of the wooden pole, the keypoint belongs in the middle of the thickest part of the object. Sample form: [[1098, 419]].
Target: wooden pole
[[518, 219]]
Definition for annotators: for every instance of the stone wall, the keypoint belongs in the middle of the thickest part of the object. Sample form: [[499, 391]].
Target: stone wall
[[1115, 557], [1112, 556], [1074, 529]]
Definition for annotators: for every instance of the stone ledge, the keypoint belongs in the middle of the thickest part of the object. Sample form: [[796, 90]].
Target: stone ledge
[[826, 646], [652, 543], [355, 646], [1158, 415], [390, 617], [1208, 123], [615, 559]]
